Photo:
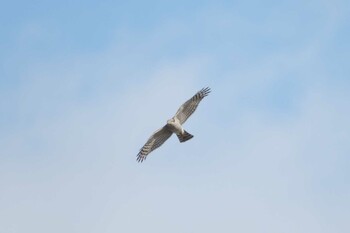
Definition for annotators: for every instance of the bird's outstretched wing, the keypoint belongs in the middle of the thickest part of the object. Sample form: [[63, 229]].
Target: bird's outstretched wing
[[155, 141], [186, 110]]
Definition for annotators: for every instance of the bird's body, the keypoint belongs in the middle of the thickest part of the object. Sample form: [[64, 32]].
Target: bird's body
[[173, 125]]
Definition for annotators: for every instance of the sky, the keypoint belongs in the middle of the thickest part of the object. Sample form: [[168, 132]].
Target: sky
[[83, 84]]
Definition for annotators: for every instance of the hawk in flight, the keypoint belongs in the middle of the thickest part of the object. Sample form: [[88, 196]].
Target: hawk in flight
[[174, 125]]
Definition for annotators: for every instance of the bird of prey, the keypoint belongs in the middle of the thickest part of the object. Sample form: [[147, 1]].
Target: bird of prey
[[174, 125]]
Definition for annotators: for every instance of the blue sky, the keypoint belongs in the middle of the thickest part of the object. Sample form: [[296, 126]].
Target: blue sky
[[83, 84]]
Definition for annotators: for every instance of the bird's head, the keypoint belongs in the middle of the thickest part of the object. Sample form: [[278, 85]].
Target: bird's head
[[170, 121]]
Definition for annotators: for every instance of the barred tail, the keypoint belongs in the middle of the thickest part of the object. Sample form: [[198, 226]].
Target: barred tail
[[184, 137]]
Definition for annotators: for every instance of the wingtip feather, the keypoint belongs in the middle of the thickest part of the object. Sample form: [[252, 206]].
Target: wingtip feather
[[205, 91]]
